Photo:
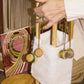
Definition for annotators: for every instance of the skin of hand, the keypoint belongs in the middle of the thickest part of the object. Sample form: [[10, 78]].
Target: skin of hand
[[52, 11], [41, 0]]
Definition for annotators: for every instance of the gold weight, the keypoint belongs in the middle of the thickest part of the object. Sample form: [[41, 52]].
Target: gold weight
[[70, 53], [38, 52], [35, 59], [31, 58], [63, 54]]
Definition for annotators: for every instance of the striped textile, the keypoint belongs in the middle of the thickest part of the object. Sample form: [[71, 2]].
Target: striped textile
[[78, 71]]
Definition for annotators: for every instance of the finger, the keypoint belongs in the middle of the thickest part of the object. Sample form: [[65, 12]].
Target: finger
[[52, 15], [38, 11], [39, 20], [41, 1], [42, 20], [48, 25], [55, 20]]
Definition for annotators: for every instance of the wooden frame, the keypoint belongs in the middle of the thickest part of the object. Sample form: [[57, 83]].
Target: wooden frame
[[21, 10], [1, 16]]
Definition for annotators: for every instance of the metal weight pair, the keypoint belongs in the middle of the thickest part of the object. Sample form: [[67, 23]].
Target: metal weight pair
[[33, 57], [38, 51], [65, 54]]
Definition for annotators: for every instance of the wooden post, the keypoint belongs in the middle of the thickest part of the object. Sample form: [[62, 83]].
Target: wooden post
[[37, 26], [54, 35], [72, 25]]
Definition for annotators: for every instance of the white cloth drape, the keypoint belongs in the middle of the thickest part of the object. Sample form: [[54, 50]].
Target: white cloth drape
[[50, 69], [78, 39], [74, 9]]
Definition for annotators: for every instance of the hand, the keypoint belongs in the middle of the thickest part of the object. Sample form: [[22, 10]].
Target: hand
[[51, 11], [41, 0]]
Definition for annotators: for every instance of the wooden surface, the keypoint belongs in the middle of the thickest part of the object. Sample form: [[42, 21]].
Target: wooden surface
[[17, 14]]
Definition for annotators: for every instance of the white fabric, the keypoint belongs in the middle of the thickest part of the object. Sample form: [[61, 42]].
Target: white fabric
[[50, 69], [74, 9], [78, 40]]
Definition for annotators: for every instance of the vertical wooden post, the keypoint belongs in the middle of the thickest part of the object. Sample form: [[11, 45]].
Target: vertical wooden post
[[72, 25], [54, 35], [37, 26]]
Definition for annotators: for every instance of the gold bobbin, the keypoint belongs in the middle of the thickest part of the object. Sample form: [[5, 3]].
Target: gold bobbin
[[63, 54], [70, 33], [31, 58], [38, 52], [70, 53]]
